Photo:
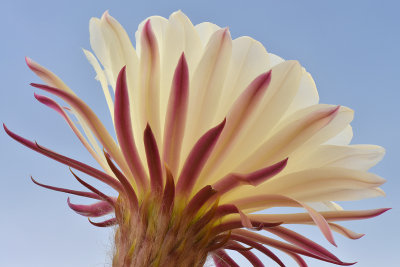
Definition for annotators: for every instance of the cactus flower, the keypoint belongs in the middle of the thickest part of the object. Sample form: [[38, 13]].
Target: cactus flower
[[208, 131]]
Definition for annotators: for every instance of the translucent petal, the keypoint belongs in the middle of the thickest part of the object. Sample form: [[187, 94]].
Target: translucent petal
[[359, 157], [285, 78]]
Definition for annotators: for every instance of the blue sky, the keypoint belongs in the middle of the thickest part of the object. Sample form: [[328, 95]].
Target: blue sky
[[350, 47]]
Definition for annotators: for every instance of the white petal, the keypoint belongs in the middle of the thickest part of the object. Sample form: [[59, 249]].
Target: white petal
[[205, 30], [274, 60], [315, 185], [180, 36], [358, 157], [158, 24], [285, 78], [101, 77], [205, 87], [249, 59], [291, 136], [149, 81], [325, 206], [345, 194], [307, 95], [114, 49], [343, 138], [103, 41]]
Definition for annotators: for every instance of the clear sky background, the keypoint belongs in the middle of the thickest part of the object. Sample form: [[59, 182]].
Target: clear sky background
[[350, 47]]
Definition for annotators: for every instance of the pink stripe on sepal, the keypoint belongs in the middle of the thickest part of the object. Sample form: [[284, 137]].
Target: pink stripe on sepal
[[232, 245], [237, 117], [300, 261], [101, 176], [285, 247], [149, 39], [175, 120], [238, 224], [227, 209], [197, 158], [198, 200], [94, 210], [302, 242], [47, 76], [91, 120], [259, 247], [123, 128], [233, 180], [248, 100], [68, 191], [253, 259], [55, 106], [245, 105], [344, 231], [222, 259], [153, 160], [281, 200], [127, 187], [149, 80], [106, 223], [94, 190], [169, 193], [320, 222], [51, 104], [347, 215], [207, 218]]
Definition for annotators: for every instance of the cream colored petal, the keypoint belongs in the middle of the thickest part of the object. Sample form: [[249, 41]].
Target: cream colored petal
[[306, 96], [325, 206], [113, 48], [99, 156], [108, 51], [93, 122], [249, 59], [333, 206], [205, 87], [274, 60], [338, 194], [330, 216], [149, 80], [345, 231], [335, 127], [307, 146], [192, 43], [130, 60], [158, 25], [338, 125], [358, 157], [291, 136], [53, 80], [180, 37], [316, 185], [127, 51], [47, 76], [100, 76], [173, 36], [343, 138], [284, 201], [56, 107], [285, 79], [205, 31]]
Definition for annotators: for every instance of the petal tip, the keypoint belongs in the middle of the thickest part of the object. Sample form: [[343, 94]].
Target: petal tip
[[28, 61]]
